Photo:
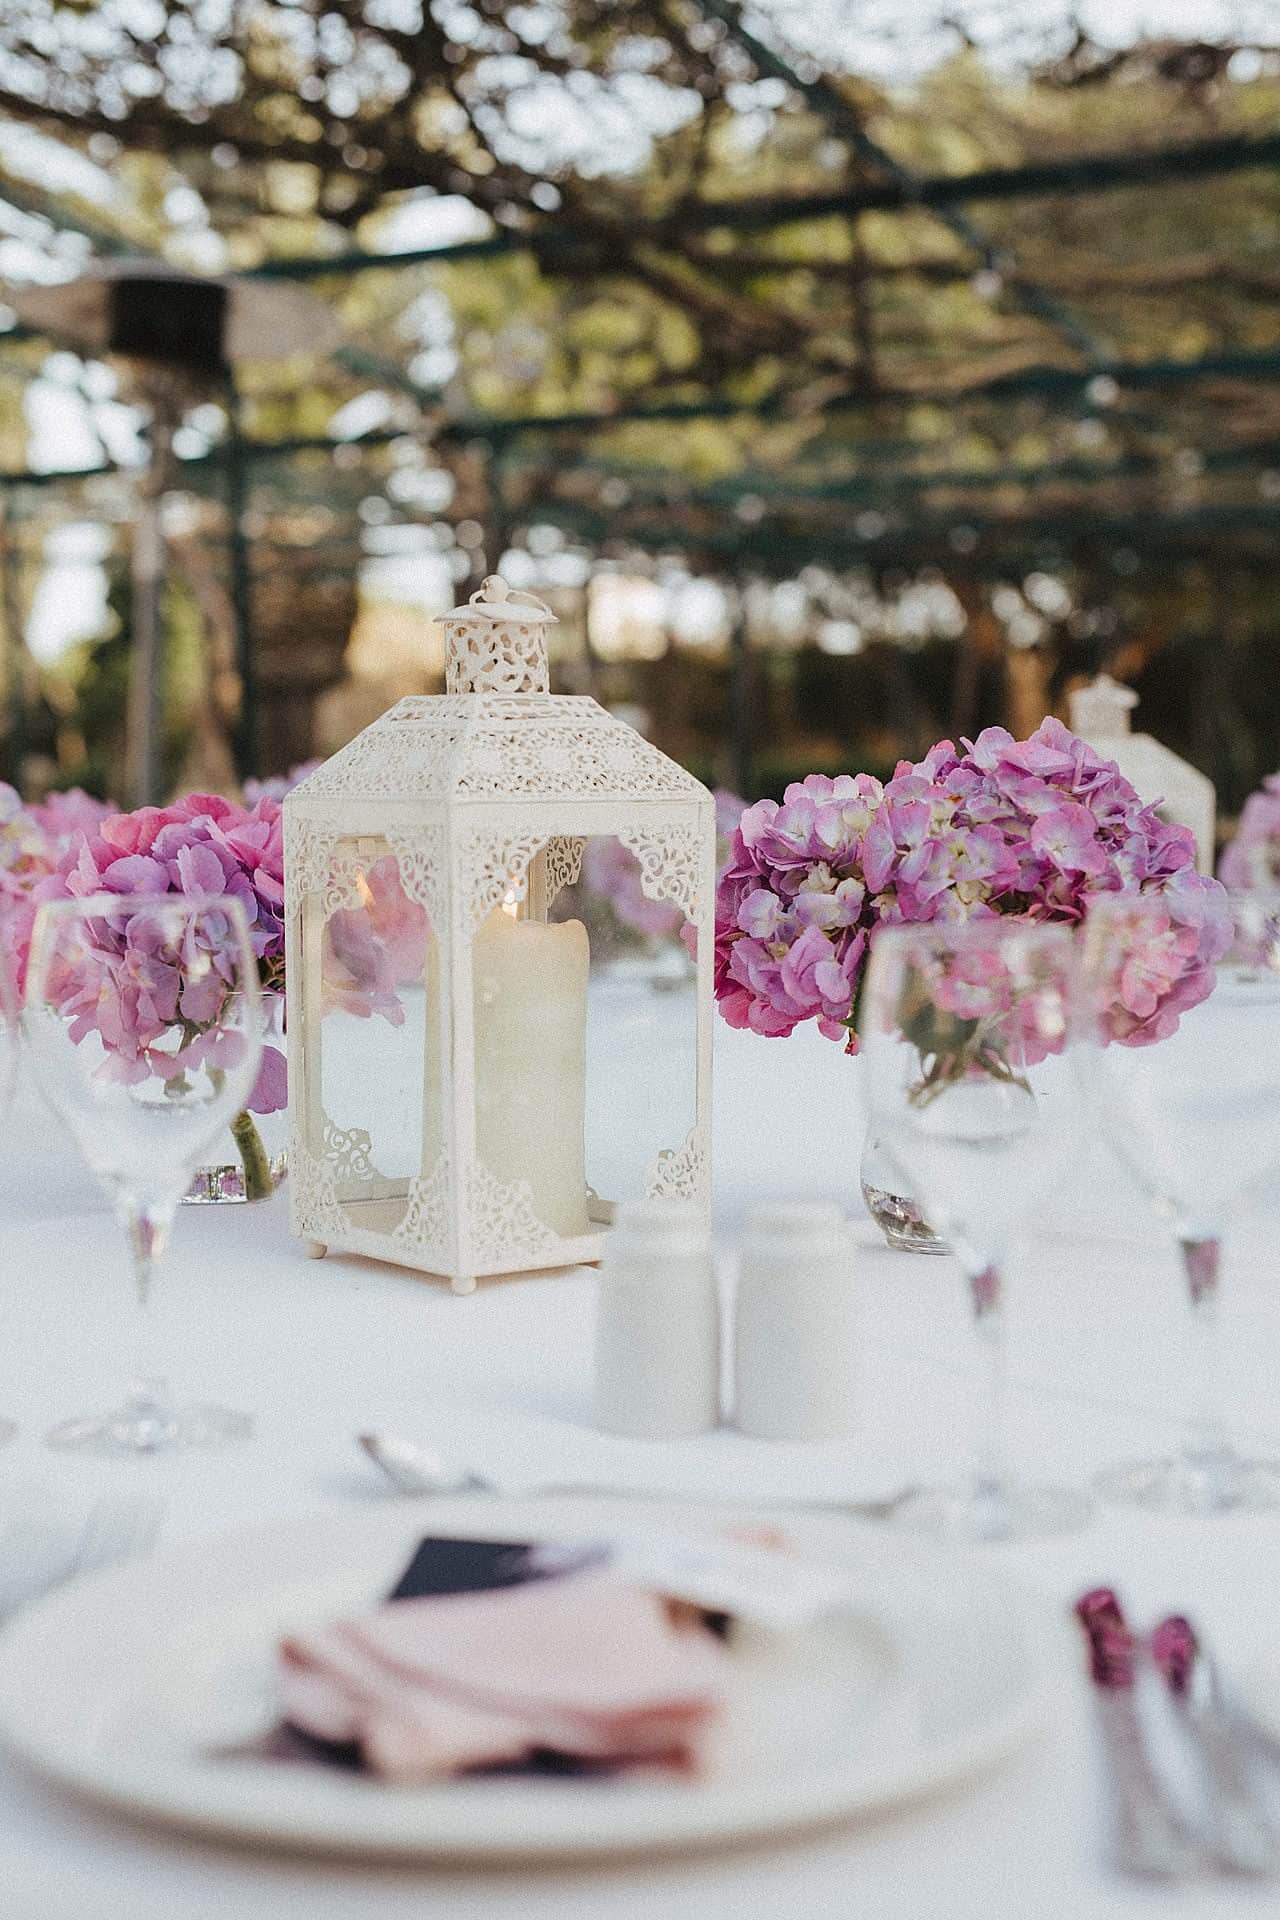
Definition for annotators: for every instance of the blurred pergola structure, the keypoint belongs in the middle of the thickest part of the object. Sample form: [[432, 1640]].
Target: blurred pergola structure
[[863, 433]]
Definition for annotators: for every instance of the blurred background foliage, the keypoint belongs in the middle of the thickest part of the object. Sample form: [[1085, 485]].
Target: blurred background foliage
[[670, 309]]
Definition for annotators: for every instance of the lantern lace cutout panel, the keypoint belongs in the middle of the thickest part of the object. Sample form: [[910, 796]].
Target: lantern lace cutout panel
[[345, 1161], [325, 861], [510, 657], [420, 857], [424, 1230], [563, 865], [681, 1173], [504, 1226], [671, 864], [490, 867], [485, 745]]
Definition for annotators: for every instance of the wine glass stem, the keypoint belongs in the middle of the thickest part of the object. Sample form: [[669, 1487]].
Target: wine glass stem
[[1205, 1448], [990, 1465], [148, 1398]]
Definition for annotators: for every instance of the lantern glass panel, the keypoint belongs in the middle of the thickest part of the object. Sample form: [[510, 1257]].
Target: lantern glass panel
[[583, 1073], [379, 1083], [641, 1045]]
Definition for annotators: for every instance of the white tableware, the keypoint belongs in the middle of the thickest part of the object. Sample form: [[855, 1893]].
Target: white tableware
[[657, 1345], [795, 1371], [141, 1688]]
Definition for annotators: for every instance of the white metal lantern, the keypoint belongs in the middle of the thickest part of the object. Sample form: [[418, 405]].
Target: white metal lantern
[[1101, 714], [465, 1096]]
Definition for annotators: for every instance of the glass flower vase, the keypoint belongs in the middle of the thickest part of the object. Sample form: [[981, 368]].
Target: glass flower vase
[[897, 1215], [248, 1164]]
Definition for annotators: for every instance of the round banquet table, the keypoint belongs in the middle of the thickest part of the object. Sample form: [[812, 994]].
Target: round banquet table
[[502, 1380]]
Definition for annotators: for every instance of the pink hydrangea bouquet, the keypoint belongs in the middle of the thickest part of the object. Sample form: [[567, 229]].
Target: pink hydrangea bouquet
[[1028, 827], [199, 845], [1253, 858], [33, 839], [204, 845]]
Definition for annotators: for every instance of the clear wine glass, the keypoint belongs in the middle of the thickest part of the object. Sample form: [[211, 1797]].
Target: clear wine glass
[[9, 1040], [143, 1021], [1185, 1083], [962, 1028]]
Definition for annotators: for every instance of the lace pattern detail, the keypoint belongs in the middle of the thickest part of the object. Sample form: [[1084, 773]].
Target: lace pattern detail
[[313, 1201], [682, 1173], [495, 656], [425, 1228], [491, 865], [317, 861], [349, 1151], [564, 865], [420, 853], [495, 746], [671, 863], [506, 1233]]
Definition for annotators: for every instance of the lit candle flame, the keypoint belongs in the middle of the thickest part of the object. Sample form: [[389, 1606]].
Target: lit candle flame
[[364, 892], [510, 904]]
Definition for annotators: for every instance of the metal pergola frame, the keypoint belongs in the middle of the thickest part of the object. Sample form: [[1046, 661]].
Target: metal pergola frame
[[663, 516]]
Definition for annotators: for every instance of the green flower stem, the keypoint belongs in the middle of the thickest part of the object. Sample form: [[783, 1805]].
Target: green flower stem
[[253, 1157]]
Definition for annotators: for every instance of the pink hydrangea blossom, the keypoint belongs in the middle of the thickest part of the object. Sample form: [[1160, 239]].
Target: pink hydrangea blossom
[[371, 950], [33, 840], [201, 845], [204, 845], [1033, 828], [277, 785], [1253, 857]]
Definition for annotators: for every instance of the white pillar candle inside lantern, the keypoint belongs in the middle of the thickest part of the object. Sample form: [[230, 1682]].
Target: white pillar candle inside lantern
[[445, 1120], [530, 1067]]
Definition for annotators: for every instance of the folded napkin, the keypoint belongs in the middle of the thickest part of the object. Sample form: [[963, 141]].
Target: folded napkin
[[584, 1666]]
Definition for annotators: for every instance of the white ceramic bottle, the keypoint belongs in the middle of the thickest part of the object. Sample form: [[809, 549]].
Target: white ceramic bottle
[[658, 1325], [796, 1340]]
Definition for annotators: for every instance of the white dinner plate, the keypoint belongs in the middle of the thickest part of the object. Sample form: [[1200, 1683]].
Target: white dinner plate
[[130, 1686]]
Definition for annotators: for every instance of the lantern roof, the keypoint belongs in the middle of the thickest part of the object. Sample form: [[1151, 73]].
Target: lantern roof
[[493, 599], [491, 746]]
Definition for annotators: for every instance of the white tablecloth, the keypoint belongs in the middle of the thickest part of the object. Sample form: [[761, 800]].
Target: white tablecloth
[[502, 1380]]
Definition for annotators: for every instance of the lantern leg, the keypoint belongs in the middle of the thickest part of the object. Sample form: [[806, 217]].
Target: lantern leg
[[463, 1282], [314, 1249]]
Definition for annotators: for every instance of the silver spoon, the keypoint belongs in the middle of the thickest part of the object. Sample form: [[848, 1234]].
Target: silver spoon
[[420, 1471]]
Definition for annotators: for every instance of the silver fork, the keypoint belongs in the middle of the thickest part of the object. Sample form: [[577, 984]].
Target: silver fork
[[1150, 1835], [1241, 1830]]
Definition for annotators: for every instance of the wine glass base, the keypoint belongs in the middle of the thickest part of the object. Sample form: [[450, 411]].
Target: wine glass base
[[128, 1432], [1013, 1513], [1228, 1483]]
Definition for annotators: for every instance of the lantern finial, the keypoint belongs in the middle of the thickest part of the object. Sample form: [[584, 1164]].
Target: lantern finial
[[1101, 710], [497, 642]]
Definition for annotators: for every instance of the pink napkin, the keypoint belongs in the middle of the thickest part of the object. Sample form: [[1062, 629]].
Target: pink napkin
[[586, 1667]]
